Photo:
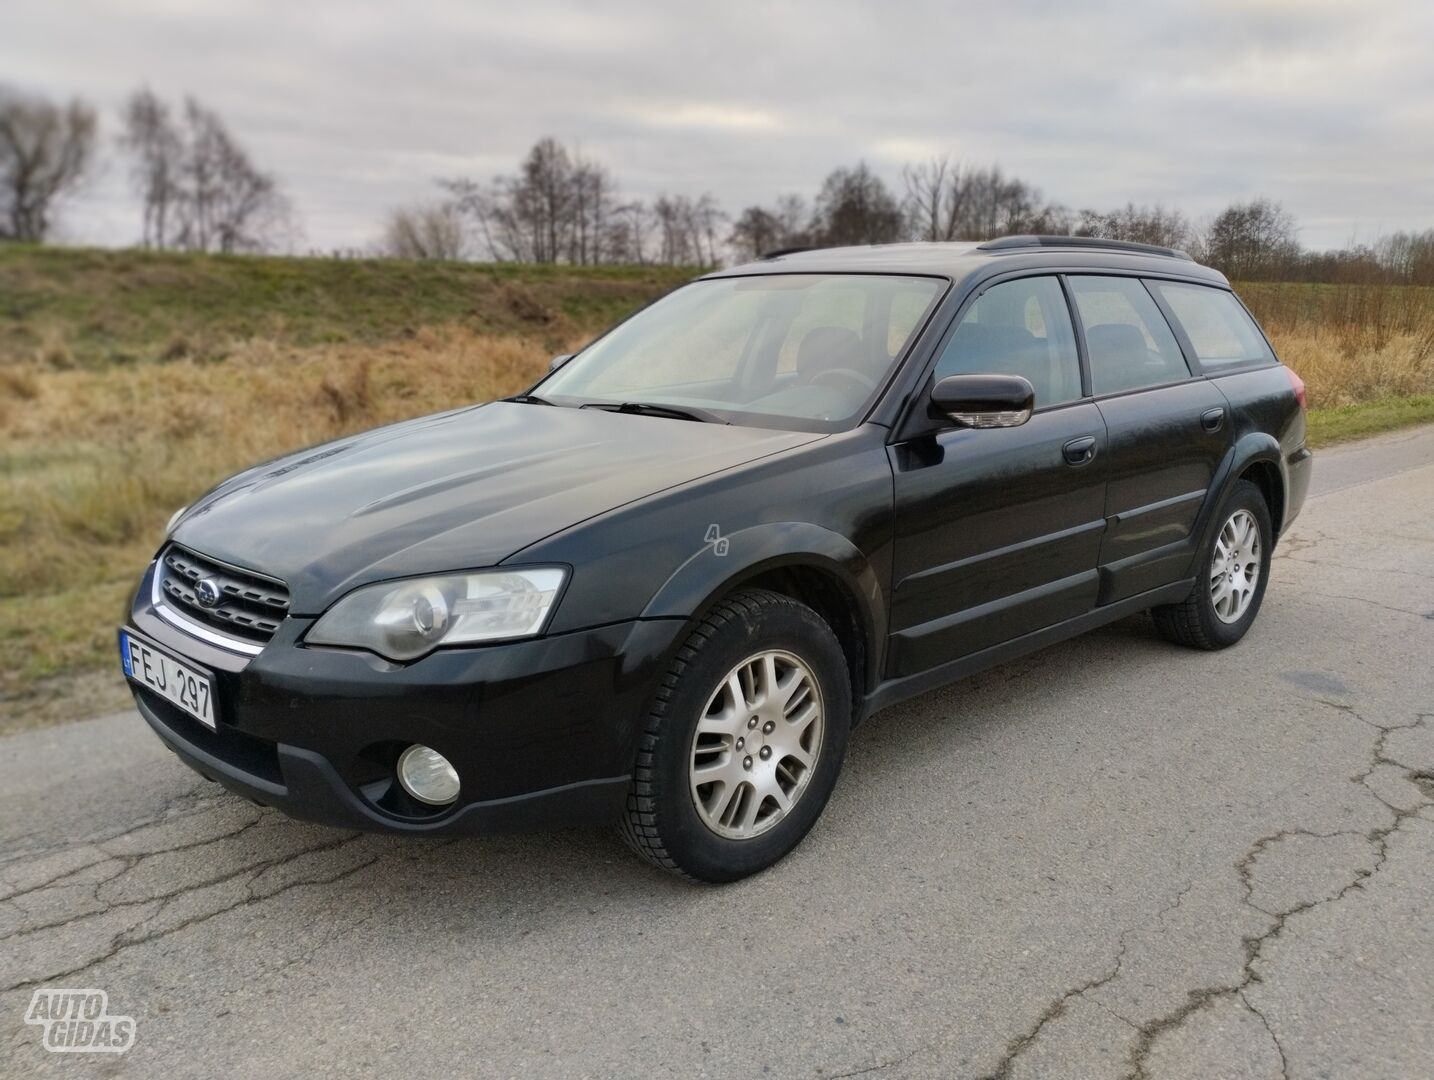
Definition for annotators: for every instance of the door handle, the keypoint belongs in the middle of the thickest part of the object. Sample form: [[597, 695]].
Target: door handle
[[1213, 419], [1080, 451]]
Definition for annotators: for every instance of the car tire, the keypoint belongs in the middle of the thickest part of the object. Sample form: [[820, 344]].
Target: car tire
[[763, 747], [1224, 601]]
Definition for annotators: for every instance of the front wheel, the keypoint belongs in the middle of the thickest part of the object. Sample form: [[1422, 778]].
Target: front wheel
[[744, 740], [1230, 577]]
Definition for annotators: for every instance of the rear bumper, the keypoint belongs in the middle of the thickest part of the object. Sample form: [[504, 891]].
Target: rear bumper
[[1298, 468], [542, 732]]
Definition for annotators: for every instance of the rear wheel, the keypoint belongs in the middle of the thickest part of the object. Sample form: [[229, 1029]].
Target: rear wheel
[[744, 740], [1230, 578]]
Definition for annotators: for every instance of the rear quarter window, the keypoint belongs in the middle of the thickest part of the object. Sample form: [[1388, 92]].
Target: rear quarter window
[[1219, 329]]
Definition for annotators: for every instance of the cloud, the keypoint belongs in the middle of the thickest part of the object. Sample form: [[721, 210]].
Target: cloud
[[1323, 105], [713, 116]]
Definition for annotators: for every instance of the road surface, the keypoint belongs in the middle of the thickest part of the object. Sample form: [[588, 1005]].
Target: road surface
[[1115, 858]]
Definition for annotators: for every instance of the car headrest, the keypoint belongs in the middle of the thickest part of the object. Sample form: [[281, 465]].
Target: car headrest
[[1117, 344], [986, 348]]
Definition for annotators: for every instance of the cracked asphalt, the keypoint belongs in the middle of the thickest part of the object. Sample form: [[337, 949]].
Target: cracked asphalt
[[1116, 858]]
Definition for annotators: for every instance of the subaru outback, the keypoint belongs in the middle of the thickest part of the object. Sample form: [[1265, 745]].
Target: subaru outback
[[662, 586]]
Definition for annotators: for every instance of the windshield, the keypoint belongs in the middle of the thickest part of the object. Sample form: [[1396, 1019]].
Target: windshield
[[806, 352]]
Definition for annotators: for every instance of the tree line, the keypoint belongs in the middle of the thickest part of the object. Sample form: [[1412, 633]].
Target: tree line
[[197, 186], [563, 207], [199, 190]]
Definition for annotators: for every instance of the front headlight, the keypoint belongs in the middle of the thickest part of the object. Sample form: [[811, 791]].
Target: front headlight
[[403, 620]]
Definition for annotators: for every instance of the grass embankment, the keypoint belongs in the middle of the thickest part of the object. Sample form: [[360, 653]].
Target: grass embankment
[[129, 383], [69, 308]]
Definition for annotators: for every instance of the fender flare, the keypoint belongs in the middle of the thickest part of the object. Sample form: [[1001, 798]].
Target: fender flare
[[1249, 449], [717, 569]]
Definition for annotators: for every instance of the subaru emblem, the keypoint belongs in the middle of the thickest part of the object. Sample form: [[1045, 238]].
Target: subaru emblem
[[207, 592]]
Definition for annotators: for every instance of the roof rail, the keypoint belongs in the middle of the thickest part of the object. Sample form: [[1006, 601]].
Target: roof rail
[[1008, 243], [785, 251]]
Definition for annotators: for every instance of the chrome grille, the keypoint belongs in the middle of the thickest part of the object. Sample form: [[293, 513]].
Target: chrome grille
[[248, 608]]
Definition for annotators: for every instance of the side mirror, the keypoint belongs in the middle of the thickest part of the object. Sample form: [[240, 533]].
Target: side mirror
[[984, 401], [559, 360]]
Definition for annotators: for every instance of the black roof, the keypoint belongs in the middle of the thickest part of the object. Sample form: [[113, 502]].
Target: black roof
[[959, 260]]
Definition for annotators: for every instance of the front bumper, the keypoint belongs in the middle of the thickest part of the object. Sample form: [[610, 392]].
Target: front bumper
[[542, 732]]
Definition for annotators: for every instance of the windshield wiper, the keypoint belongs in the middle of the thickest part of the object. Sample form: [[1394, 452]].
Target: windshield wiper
[[530, 399], [646, 408]]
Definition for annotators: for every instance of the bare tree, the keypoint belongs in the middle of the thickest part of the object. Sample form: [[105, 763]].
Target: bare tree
[[1142, 224], [1251, 240], [229, 204], [1407, 256], [198, 187], [794, 219], [629, 234], [931, 201], [707, 219], [855, 207], [755, 232], [153, 141], [994, 204], [524, 218], [759, 230], [946, 200], [672, 240], [490, 212], [687, 229], [544, 197], [45, 152], [563, 207], [592, 208], [560, 207], [428, 230]]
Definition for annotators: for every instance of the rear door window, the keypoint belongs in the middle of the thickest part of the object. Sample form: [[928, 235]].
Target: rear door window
[[1219, 329], [1129, 343]]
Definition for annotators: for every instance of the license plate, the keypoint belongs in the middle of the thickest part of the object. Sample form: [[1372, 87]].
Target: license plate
[[180, 683]]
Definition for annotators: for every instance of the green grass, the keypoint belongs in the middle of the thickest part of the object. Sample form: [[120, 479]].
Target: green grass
[[1327, 426], [88, 308]]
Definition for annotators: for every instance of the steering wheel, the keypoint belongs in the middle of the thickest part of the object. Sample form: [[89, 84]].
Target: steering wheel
[[863, 382]]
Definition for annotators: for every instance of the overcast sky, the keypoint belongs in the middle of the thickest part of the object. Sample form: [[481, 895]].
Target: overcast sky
[[1326, 106]]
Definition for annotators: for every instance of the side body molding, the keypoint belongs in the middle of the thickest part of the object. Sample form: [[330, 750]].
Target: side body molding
[[752, 551]]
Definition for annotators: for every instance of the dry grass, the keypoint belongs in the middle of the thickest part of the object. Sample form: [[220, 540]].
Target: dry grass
[[1338, 370], [95, 454], [1352, 344], [95, 461]]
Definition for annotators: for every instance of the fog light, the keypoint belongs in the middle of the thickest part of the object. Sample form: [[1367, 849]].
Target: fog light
[[427, 776]]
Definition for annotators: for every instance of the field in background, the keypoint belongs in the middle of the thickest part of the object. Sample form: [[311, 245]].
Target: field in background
[[129, 383]]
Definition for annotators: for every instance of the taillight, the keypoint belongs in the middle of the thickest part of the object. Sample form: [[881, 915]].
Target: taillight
[[1299, 386]]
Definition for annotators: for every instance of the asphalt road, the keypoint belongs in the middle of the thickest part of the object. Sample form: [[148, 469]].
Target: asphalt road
[[1115, 858]]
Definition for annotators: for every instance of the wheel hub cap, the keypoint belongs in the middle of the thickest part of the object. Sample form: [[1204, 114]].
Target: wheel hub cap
[[756, 745]]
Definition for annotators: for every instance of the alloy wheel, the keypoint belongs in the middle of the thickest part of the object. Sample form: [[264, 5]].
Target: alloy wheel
[[756, 745], [1235, 567]]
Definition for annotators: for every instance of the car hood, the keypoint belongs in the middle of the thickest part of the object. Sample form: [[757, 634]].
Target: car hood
[[455, 491]]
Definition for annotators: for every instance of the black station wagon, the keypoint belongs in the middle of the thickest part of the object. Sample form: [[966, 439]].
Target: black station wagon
[[660, 587]]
